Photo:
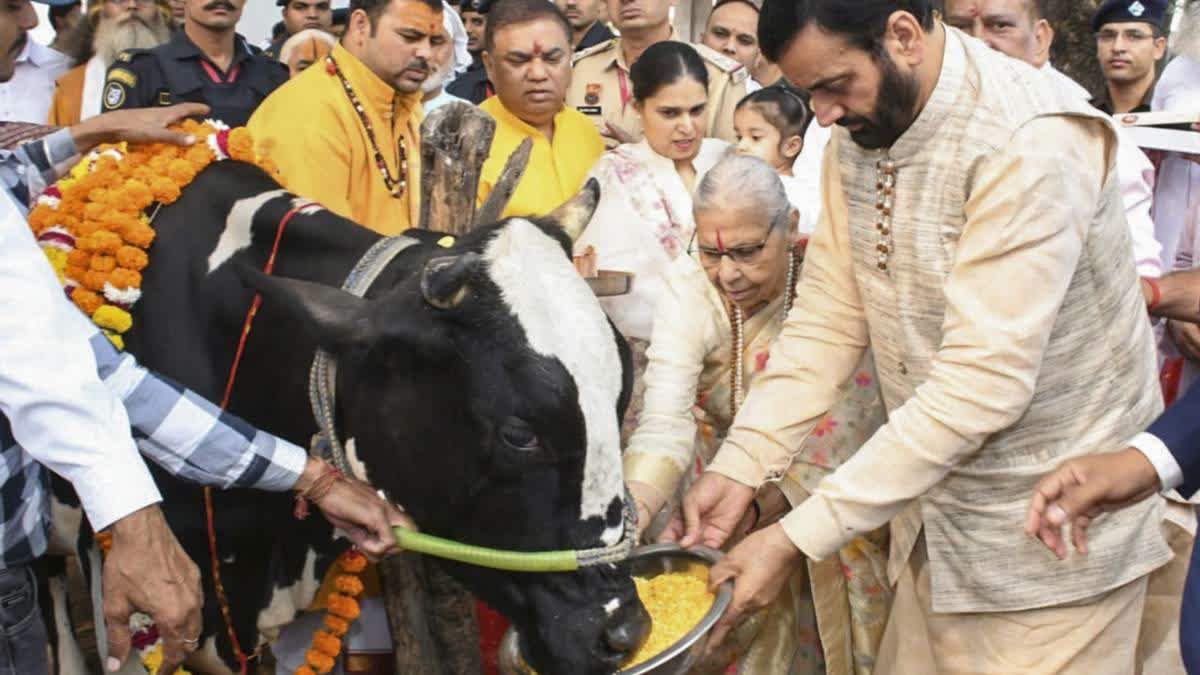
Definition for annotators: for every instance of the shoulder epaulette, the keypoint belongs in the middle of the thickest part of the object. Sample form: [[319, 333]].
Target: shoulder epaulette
[[737, 72], [594, 49]]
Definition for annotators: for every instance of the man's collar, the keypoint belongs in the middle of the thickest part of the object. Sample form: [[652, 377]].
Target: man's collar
[[504, 115], [941, 100], [619, 59], [181, 48], [37, 55]]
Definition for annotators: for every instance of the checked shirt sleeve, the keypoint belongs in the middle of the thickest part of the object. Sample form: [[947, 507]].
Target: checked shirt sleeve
[[190, 437], [33, 165]]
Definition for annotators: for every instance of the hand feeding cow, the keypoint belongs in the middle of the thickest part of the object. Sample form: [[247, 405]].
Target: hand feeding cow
[[483, 393]]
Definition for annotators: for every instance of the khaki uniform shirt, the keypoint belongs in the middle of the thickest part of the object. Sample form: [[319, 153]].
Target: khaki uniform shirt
[[601, 89]]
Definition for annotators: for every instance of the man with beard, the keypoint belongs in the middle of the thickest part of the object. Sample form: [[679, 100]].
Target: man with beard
[[600, 85], [972, 237], [450, 60], [205, 62], [474, 85], [528, 56], [62, 19], [347, 132], [94, 43], [586, 27], [301, 15]]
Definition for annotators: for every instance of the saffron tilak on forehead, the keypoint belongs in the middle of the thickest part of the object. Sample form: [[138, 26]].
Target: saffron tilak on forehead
[[537, 48], [720, 243]]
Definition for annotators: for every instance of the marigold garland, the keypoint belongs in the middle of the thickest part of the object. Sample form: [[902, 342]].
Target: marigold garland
[[93, 224], [342, 610]]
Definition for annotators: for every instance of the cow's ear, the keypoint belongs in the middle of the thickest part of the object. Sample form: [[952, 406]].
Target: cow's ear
[[336, 318]]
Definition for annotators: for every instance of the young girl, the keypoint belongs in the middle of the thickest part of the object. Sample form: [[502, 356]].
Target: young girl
[[770, 124]]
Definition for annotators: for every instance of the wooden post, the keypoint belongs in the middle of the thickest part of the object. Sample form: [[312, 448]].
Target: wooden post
[[455, 140]]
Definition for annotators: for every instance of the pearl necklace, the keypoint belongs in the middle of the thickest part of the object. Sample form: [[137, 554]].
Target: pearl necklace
[[395, 185], [737, 323]]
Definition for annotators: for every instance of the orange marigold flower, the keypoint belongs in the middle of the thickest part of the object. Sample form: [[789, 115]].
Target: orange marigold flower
[[71, 223], [326, 643], [165, 190], [94, 210], [343, 606], [86, 300], [336, 625], [319, 662], [181, 171], [103, 263], [139, 234], [159, 164], [190, 126], [241, 145], [353, 561], [348, 584], [305, 670], [123, 278], [84, 229], [71, 207], [137, 194], [199, 155], [94, 281], [74, 272], [40, 218], [98, 195], [132, 258], [101, 241], [79, 258]]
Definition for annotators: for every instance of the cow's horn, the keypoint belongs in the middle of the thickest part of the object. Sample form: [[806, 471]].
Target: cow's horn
[[444, 280], [577, 212]]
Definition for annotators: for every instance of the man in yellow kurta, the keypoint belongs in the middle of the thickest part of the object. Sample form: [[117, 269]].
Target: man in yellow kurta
[[346, 131], [528, 58]]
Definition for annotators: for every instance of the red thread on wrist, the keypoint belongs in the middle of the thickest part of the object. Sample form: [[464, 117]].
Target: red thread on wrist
[[1155, 293]]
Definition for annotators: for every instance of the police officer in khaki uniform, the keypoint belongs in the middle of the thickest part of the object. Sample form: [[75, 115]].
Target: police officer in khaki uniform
[[601, 89]]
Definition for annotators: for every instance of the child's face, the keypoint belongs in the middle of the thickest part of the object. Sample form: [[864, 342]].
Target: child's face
[[757, 138]]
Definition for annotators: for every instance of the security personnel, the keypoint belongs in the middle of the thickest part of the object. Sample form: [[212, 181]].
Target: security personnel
[[474, 85], [231, 77], [601, 89], [1129, 45]]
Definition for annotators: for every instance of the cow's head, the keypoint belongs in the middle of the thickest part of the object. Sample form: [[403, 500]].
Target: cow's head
[[483, 390]]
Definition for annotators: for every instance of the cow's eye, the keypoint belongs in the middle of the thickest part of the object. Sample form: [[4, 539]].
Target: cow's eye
[[518, 435]]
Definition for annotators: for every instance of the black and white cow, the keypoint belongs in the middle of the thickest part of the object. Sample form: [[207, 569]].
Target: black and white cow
[[489, 410]]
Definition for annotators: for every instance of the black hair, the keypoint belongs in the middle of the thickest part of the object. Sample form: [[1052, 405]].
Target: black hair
[[341, 16], [721, 3], [862, 22], [59, 13], [665, 63], [278, 30], [374, 8], [507, 13], [781, 108]]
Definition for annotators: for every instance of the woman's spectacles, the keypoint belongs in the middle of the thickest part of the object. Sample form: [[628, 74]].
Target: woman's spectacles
[[747, 255]]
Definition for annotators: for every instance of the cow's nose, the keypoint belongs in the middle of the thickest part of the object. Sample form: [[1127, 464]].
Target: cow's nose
[[628, 628]]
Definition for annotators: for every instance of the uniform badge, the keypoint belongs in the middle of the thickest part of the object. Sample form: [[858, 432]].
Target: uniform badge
[[164, 98], [123, 76], [1137, 9], [592, 95], [114, 95]]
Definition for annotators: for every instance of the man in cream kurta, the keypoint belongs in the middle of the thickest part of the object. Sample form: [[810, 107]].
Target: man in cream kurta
[[981, 252], [328, 150]]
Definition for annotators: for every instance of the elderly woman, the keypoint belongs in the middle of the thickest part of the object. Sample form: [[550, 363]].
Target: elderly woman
[[722, 306]]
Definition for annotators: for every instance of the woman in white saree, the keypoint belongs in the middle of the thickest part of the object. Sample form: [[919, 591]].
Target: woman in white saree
[[721, 307]]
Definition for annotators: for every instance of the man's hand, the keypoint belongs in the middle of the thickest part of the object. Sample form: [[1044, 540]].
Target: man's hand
[[649, 502], [137, 125], [355, 508], [617, 133], [147, 571], [759, 567], [712, 509], [1081, 489], [1187, 338]]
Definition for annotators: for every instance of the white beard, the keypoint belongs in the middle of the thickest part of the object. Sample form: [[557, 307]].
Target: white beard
[[113, 38]]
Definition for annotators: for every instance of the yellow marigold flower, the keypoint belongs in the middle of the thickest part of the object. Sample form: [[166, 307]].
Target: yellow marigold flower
[[326, 644], [58, 260], [113, 318], [132, 258], [103, 263], [123, 278], [119, 343], [86, 300]]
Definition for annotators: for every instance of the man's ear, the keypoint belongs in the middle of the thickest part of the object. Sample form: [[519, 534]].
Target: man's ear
[[1043, 36], [907, 38], [488, 65]]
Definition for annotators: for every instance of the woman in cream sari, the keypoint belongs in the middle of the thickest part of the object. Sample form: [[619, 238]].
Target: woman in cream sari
[[721, 307], [644, 218]]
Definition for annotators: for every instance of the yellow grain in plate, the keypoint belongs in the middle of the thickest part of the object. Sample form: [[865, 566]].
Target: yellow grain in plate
[[676, 601]]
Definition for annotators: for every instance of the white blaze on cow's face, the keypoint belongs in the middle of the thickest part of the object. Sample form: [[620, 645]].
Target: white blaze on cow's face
[[562, 319]]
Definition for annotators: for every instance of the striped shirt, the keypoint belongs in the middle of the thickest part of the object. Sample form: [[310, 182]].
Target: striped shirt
[[68, 399]]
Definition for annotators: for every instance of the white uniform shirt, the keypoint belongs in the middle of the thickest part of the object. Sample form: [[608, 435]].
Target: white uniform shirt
[[27, 96]]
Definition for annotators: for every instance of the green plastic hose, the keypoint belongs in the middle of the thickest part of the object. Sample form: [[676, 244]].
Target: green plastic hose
[[512, 561]]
